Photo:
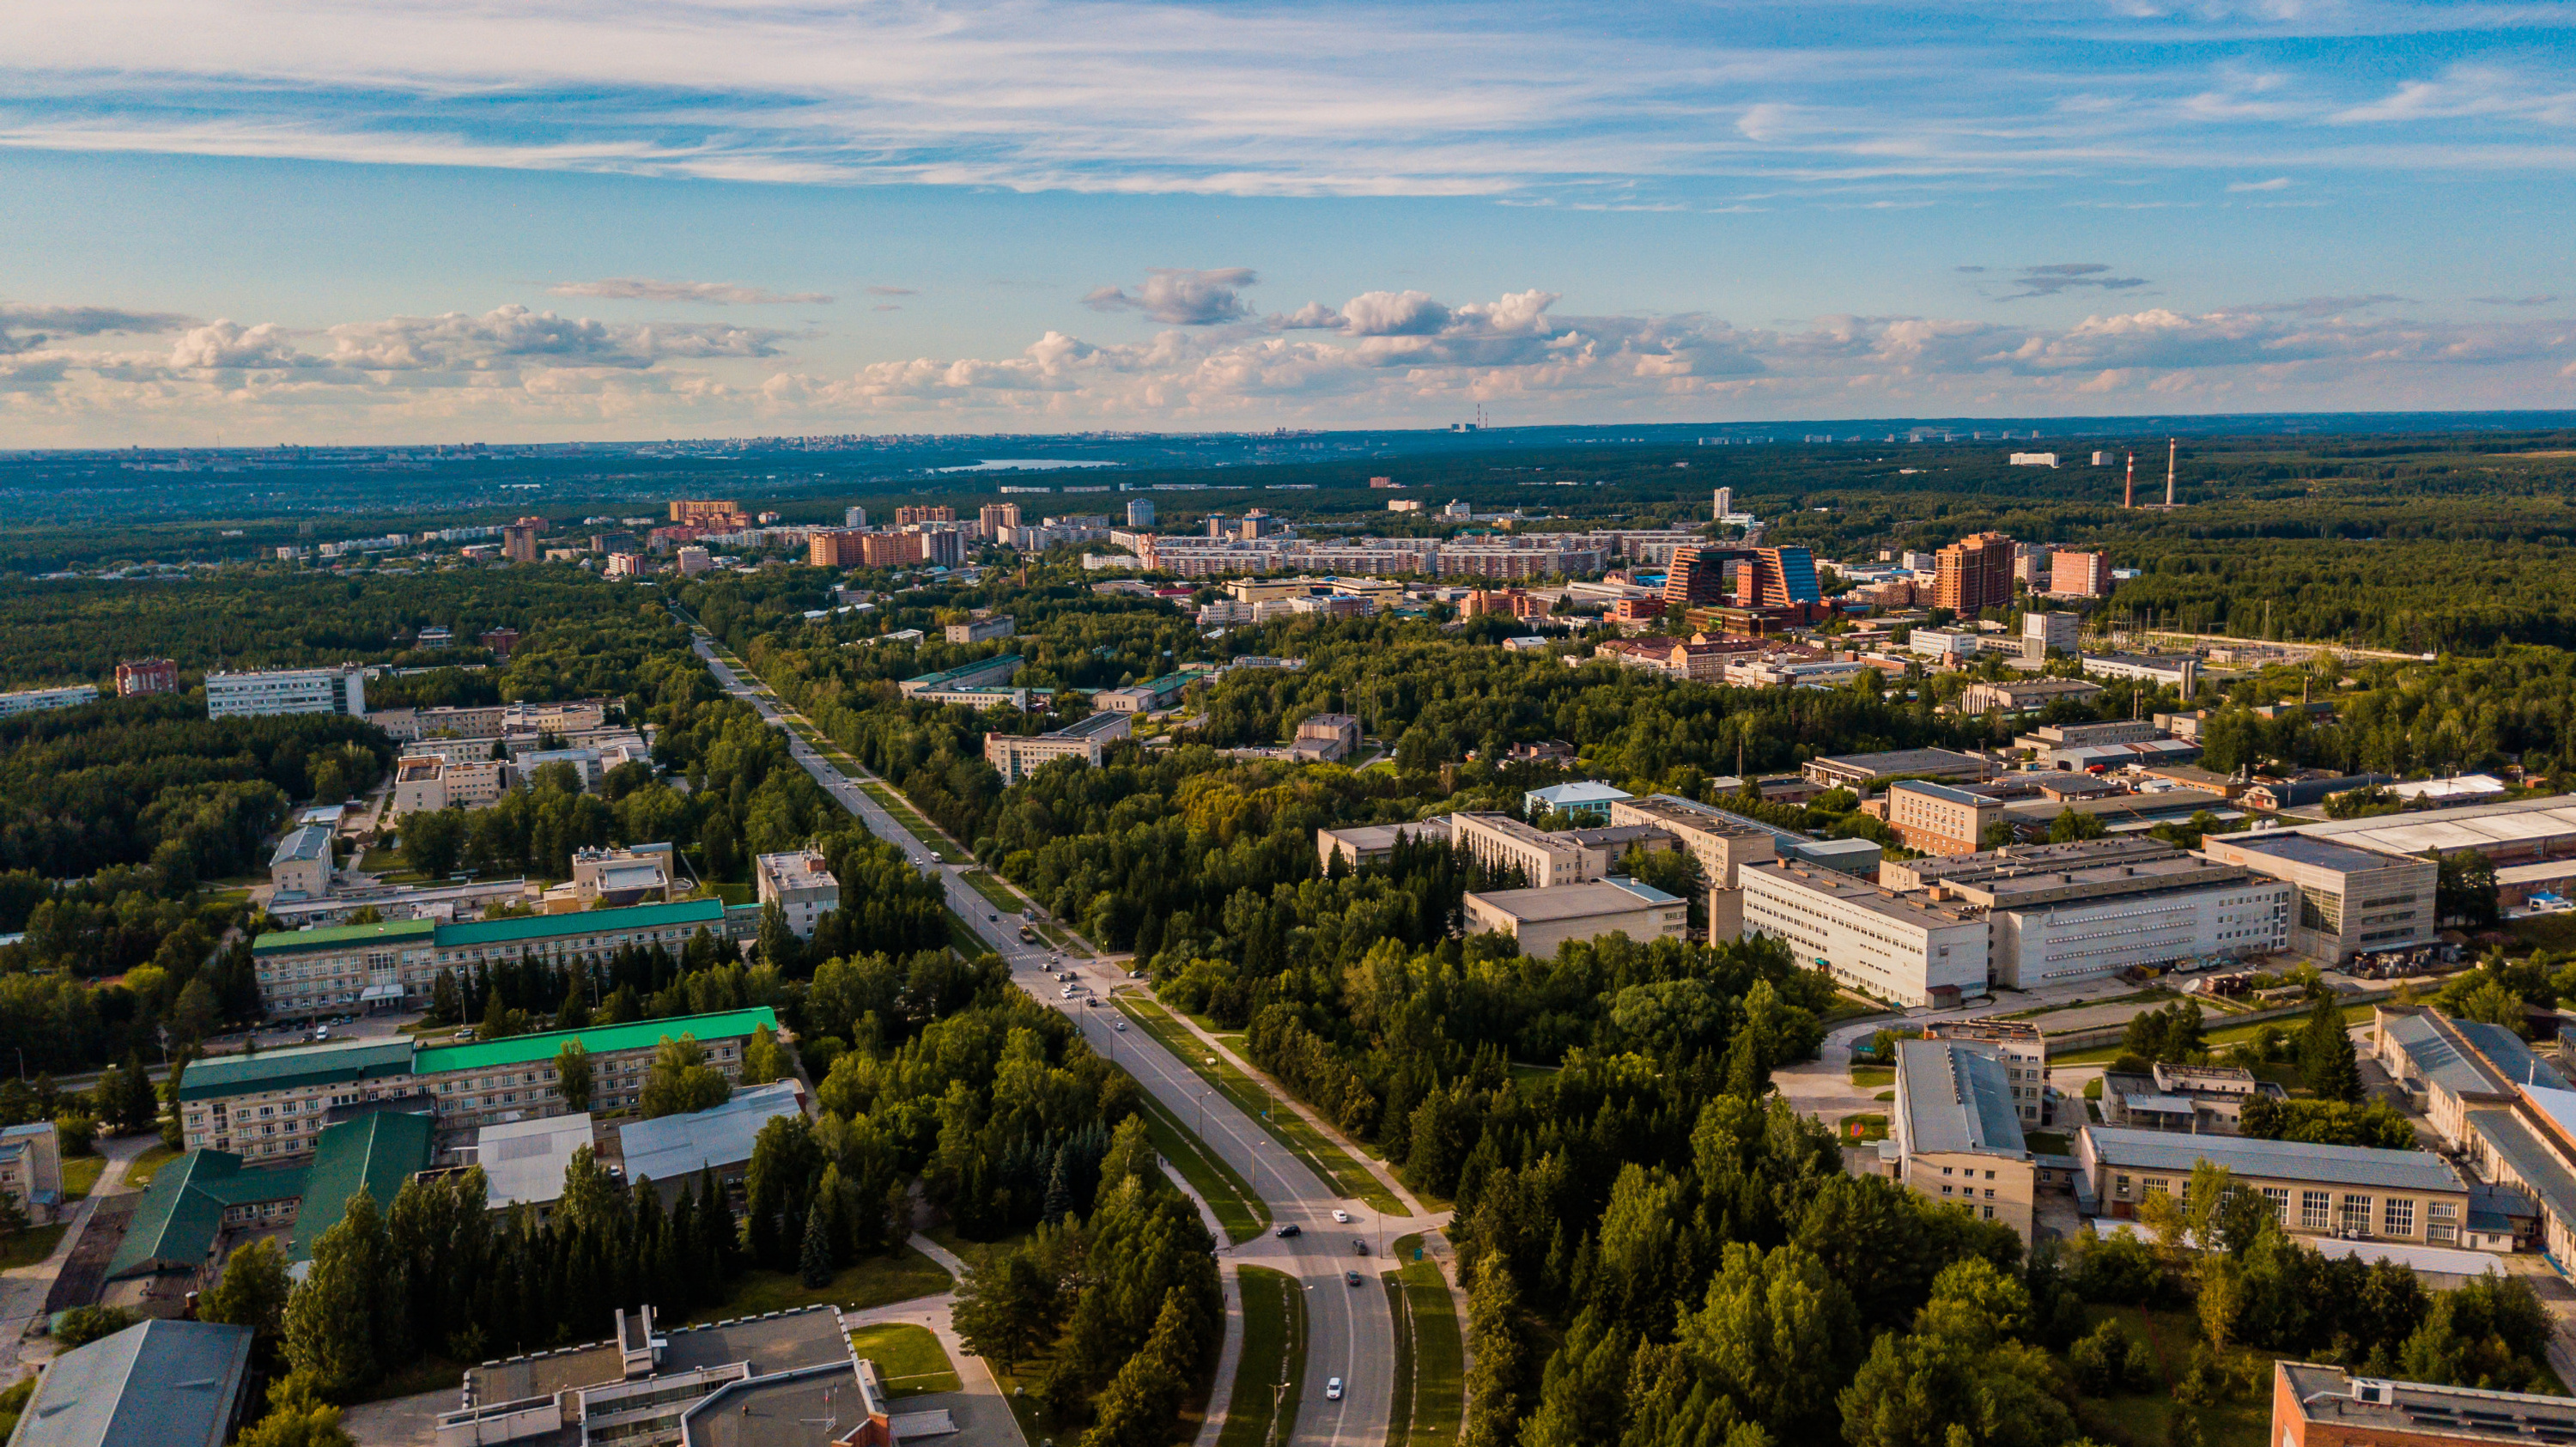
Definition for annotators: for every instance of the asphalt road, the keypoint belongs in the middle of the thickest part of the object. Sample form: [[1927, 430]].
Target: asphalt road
[[1350, 1333]]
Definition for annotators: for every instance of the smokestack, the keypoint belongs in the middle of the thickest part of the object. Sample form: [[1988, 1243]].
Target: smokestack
[[2129, 495], [2173, 448]]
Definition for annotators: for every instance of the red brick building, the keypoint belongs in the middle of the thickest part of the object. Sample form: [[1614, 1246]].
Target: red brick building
[[2319, 1406]]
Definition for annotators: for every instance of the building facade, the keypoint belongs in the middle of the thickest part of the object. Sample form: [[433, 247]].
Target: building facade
[[801, 884], [304, 973], [1973, 574], [2350, 900], [1956, 1133], [137, 676], [1912, 950], [1544, 920], [295, 690]]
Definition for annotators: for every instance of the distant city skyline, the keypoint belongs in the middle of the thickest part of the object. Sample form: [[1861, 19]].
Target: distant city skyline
[[410, 223]]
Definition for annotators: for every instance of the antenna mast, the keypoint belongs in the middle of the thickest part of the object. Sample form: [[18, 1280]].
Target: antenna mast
[[2173, 449], [2129, 495]]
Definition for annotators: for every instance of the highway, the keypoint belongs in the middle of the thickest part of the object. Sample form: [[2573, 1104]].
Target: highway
[[1350, 1331]]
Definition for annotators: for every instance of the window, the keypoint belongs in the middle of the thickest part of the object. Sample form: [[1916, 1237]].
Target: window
[[2278, 1198], [2442, 1222], [2396, 1218], [1990, 1211], [2120, 1187], [2156, 1185], [2314, 1208], [2356, 1215]]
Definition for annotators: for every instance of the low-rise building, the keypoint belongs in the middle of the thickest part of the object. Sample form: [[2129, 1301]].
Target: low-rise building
[[432, 783], [1326, 738], [979, 674], [1956, 1132], [2020, 1045], [1545, 860], [2328, 1406], [154, 1384], [1087, 738], [1588, 800], [2350, 900], [2175, 671], [1863, 771], [981, 630], [1360, 845], [1936, 819], [2193, 1099], [2026, 695], [1911, 949], [31, 1169], [676, 1151], [1544, 920], [2097, 907], [2352, 1192], [301, 866], [801, 884]]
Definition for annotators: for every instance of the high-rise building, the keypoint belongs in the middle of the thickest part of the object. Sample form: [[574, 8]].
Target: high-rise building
[[833, 547], [2041, 632], [146, 675], [296, 690], [1140, 512], [1778, 578], [519, 539], [2080, 575], [1973, 574], [924, 513], [693, 561], [1725, 502], [995, 517], [1694, 580], [708, 512], [889, 550], [854, 517]]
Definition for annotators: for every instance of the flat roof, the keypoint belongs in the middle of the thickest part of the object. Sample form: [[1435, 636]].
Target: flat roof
[[2304, 849], [1957, 1098], [2413, 1411], [964, 670], [525, 1160], [1382, 836], [2473, 826], [2155, 1150], [1574, 901], [1867, 894], [281, 942], [633, 1035], [1903, 761], [1944, 794], [1089, 724]]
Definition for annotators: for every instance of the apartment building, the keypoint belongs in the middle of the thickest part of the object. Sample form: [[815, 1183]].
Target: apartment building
[[138, 676], [304, 973], [801, 884], [706, 512], [2080, 575], [1545, 920], [2350, 900], [284, 691], [1087, 738], [1911, 949], [982, 630], [1955, 1134], [1936, 819], [906, 516], [272, 1108], [2356, 1193], [1973, 574]]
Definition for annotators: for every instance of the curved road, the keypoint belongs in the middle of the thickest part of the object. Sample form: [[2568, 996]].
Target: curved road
[[1350, 1333]]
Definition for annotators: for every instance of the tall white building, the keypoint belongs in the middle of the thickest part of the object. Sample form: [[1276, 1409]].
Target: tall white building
[[295, 690], [801, 885], [36, 700], [1725, 502], [854, 517]]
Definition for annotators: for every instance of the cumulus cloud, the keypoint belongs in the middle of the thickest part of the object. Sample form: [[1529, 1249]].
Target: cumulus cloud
[[1314, 316], [1181, 298], [25, 326], [230, 345], [2065, 276], [710, 293], [1393, 314], [509, 335]]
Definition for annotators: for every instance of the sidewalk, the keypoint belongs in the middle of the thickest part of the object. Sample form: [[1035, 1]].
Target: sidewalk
[[933, 1312], [23, 1291]]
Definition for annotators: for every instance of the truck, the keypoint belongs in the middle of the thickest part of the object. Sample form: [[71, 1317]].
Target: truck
[[1028, 936]]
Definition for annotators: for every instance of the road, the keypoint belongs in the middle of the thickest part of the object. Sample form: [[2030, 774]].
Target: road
[[1350, 1332]]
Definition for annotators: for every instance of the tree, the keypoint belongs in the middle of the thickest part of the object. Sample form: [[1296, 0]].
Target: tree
[[1140, 1404], [779, 947], [814, 1259], [573, 1075], [433, 841], [1498, 1378], [297, 1417], [252, 1292], [2070, 826], [196, 1013], [2326, 1056], [681, 1080], [764, 1059], [1008, 1308], [85, 1324], [330, 1320], [2465, 890]]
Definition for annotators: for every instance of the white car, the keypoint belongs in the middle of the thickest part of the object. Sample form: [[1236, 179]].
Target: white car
[[1333, 1389], [1342, 1216]]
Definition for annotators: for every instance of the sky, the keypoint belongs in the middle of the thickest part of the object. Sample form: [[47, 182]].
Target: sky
[[262, 221]]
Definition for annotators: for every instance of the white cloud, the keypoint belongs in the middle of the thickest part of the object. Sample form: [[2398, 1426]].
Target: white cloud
[[712, 293], [25, 326], [1182, 298], [2277, 183], [1393, 314]]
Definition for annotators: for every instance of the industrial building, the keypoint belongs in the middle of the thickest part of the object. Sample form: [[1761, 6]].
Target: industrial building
[[980, 674], [1862, 771], [1544, 920], [2350, 900]]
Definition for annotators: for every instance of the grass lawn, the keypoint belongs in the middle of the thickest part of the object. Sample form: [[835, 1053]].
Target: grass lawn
[[1430, 1357], [1239, 1209], [744, 893], [2232, 1035], [31, 1246], [909, 1359], [1274, 1350], [2144, 1419], [893, 802], [1861, 1129], [2046, 1142], [876, 1281], [2544, 932], [1871, 1077], [80, 1176], [995, 892], [1290, 1129], [1851, 1007], [974, 1253], [139, 1172]]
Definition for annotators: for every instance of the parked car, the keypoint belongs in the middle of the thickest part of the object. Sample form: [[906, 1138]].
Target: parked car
[[1291, 1229], [464, 1037], [1342, 1216]]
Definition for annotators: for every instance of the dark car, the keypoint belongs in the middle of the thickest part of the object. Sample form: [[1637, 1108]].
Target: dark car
[[1284, 1232], [1352, 1277], [1359, 1248]]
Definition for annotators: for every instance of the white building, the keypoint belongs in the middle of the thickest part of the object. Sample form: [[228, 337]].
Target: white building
[[1900, 947], [37, 700], [800, 883], [295, 690], [1543, 920], [302, 865], [2041, 632]]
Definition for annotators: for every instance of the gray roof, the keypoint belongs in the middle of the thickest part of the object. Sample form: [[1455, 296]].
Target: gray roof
[[1905, 761], [1956, 1098], [310, 842], [2155, 1150], [154, 1384], [525, 1160], [670, 1147], [2301, 849], [2434, 1057], [2509, 1054], [2542, 1172]]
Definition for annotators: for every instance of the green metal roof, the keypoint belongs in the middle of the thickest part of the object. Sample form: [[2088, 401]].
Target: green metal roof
[[635, 1035], [304, 1065], [375, 1154], [708, 912], [294, 941], [182, 1211]]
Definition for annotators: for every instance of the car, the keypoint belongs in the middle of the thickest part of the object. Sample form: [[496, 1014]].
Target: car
[[1120, 1027], [1094, 1003], [1359, 1246], [464, 1037], [1333, 1389], [1291, 1229], [995, 918], [1352, 1277], [1342, 1216]]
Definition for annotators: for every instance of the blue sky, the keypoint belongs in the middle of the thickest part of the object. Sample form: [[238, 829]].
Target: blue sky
[[283, 220]]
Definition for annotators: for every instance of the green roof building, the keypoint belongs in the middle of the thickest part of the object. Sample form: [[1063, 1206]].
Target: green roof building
[[374, 1154], [341, 970]]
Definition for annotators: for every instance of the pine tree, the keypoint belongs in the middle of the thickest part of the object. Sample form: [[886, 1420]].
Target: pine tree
[[330, 1321], [814, 1261], [1059, 1191]]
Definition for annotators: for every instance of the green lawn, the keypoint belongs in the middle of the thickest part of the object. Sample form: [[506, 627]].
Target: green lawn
[[1239, 1209], [1431, 1359], [2554, 932], [893, 802], [1274, 1351], [1290, 1129], [1862, 1129], [2047, 1142], [31, 1246], [975, 1254], [744, 893], [2232, 1035], [876, 1281], [139, 1173], [1871, 1077], [910, 1360], [80, 1176], [995, 893]]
